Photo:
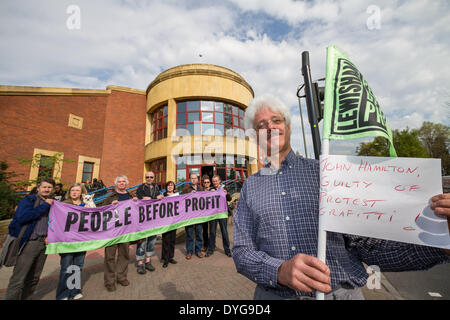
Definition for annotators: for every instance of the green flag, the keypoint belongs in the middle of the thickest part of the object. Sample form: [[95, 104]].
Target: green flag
[[350, 109]]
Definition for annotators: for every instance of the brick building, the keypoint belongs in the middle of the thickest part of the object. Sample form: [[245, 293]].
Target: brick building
[[103, 133]]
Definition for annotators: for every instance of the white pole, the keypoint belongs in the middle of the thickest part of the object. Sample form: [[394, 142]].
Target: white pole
[[322, 239]]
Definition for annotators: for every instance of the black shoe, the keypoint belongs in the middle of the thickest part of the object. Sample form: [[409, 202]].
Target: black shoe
[[149, 266], [172, 261], [228, 254], [141, 269], [209, 254], [165, 265]]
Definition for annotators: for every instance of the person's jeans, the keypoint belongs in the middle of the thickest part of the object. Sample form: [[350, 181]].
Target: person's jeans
[[146, 248], [205, 234], [190, 239], [67, 287], [212, 235]]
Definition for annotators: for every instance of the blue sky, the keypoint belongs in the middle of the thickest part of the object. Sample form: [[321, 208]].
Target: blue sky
[[405, 58]]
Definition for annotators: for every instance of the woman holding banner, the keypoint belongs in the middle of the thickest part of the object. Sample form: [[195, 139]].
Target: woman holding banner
[[168, 238], [69, 260]]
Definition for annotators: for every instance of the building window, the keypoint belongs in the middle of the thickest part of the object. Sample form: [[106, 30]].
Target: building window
[[159, 121], [159, 169], [46, 167], [181, 170], [228, 167], [210, 118], [88, 171]]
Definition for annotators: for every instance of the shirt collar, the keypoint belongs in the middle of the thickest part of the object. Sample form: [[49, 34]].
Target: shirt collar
[[290, 159]]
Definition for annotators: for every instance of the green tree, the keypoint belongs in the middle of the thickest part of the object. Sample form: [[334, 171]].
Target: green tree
[[406, 143], [436, 139], [378, 148], [9, 197]]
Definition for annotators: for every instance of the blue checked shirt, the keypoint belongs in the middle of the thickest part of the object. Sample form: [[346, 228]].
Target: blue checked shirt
[[277, 218]]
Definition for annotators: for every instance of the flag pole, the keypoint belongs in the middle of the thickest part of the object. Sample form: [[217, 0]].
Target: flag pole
[[322, 236], [318, 148], [306, 71], [301, 117]]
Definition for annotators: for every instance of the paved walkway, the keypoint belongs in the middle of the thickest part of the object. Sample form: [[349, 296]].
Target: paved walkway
[[212, 278]]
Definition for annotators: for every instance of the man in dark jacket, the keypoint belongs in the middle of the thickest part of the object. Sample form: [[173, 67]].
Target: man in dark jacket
[[32, 213], [149, 189], [193, 186], [145, 248], [222, 223]]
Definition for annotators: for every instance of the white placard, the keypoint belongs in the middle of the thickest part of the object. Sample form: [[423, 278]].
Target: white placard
[[386, 198]]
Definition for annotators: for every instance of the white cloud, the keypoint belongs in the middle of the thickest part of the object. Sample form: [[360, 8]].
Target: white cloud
[[129, 43], [293, 12]]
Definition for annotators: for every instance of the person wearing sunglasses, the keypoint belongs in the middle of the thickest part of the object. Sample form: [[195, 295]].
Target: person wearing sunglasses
[[145, 248]]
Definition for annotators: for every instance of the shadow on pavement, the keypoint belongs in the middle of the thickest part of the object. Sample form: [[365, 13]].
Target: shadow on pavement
[[169, 290], [50, 283]]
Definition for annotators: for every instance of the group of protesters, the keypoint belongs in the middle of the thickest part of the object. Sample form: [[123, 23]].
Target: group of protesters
[[275, 228], [30, 224], [116, 270], [205, 233]]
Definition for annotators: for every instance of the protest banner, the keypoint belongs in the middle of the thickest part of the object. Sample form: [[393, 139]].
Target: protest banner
[[74, 229], [385, 198]]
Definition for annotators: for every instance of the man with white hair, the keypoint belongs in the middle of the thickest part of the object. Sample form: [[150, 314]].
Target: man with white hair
[[276, 224], [120, 193]]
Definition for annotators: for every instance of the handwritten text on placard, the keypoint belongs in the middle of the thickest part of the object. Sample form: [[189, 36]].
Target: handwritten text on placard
[[386, 198]]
